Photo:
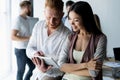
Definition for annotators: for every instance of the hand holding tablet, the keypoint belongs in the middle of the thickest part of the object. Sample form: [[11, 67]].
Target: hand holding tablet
[[49, 61]]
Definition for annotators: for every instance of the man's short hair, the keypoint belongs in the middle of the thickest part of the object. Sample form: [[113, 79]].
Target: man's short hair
[[55, 4], [69, 3], [25, 3]]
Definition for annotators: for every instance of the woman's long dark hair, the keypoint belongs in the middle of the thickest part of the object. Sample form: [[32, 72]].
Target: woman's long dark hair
[[84, 10]]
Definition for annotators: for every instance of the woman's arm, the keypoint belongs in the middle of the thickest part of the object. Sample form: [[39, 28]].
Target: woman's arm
[[93, 68], [91, 65], [68, 67], [83, 72], [63, 59], [99, 55]]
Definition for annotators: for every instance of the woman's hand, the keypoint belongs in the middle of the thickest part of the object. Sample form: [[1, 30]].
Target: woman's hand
[[93, 64]]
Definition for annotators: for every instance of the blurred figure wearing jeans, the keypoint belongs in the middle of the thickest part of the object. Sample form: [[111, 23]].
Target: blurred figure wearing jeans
[[20, 35]]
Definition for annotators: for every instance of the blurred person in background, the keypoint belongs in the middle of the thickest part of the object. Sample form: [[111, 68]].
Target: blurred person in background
[[20, 35], [65, 18]]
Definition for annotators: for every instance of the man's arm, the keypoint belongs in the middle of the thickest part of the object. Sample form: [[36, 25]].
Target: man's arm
[[32, 44], [16, 37]]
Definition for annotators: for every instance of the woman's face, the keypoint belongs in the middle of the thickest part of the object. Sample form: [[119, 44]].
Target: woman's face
[[75, 21]]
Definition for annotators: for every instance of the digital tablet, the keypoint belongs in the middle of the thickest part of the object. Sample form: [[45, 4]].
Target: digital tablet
[[49, 61]]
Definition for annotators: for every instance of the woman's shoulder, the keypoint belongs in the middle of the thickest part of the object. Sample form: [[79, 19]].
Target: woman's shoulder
[[72, 35], [100, 35]]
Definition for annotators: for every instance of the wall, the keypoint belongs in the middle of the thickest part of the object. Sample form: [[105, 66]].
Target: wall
[[39, 9], [108, 13]]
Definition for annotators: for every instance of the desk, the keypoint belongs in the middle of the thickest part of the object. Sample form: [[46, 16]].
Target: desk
[[109, 72], [109, 78]]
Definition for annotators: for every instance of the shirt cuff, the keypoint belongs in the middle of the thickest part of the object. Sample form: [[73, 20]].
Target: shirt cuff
[[93, 73], [54, 72]]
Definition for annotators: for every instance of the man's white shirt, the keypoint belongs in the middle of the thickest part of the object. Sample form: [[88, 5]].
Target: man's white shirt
[[50, 45]]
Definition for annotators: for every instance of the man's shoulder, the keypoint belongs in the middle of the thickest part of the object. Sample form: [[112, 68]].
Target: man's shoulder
[[65, 29], [18, 18], [64, 18], [66, 32], [40, 23]]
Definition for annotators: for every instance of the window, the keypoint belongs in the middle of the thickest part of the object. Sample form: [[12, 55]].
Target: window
[[8, 12], [5, 43]]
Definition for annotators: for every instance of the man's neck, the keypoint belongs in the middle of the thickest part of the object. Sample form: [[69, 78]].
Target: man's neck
[[51, 30], [23, 15]]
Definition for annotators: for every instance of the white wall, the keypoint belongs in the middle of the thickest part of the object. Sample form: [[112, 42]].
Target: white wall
[[39, 9], [5, 41], [108, 13]]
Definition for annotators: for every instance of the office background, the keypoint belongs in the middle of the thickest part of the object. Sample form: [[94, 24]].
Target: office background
[[107, 10]]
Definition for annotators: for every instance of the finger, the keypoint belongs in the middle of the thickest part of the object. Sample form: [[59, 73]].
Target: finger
[[94, 62], [49, 67], [41, 53], [33, 60], [42, 62], [95, 59], [98, 68], [37, 61], [37, 54], [99, 64]]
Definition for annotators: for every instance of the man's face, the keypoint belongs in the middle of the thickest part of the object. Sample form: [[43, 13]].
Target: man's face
[[53, 17], [67, 8], [27, 10]]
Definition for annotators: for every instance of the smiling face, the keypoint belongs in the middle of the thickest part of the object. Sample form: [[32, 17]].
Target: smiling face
[[75, 21], [53, 17]]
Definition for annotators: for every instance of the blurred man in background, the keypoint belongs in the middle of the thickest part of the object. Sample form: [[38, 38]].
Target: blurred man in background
[[20, 35]]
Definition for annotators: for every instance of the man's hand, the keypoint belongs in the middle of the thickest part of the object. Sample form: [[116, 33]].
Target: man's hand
[[39, 53], [35, 59], [93, 64], [43, 67], [40, 64]]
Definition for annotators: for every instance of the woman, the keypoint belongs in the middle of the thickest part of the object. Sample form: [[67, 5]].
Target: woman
[[86, 47]]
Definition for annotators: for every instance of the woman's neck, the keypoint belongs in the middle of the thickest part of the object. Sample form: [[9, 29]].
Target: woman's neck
[[83, 33]]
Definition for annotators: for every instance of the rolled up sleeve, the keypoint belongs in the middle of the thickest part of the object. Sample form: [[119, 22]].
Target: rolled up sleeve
[[63, 57], [100, 53], [32, 45]]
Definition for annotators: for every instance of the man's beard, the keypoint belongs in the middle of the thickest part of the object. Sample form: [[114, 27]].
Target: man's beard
[[29, 13]]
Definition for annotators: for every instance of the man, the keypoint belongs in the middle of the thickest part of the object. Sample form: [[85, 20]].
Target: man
[[47, 39], [65, 18], [20, 35]]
